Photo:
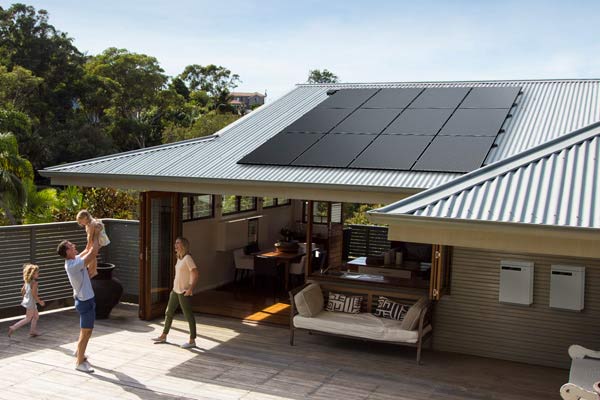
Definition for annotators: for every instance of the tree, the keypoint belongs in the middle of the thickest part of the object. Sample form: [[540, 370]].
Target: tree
[[324, 76], [133, 82], [205, 125], [215, 80], [13, 169]]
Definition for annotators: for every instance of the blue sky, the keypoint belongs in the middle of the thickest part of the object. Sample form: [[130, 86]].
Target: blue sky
[[273, 44]]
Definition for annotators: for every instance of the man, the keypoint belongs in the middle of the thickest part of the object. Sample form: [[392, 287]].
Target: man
[[85, 304]]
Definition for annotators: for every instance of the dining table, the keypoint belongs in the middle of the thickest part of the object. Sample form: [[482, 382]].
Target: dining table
[[285, 258]]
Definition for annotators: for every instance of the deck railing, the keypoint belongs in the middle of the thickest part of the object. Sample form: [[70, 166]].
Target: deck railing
[[20, 244]]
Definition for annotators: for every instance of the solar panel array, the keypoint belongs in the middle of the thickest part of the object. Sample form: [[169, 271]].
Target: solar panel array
[[411, 129]]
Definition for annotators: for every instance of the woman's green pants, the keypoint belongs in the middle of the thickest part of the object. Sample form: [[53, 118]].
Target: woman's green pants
[[185, 302]]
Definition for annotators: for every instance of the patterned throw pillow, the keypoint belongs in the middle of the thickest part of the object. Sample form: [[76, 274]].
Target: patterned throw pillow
[[343, 303], [387, 308]]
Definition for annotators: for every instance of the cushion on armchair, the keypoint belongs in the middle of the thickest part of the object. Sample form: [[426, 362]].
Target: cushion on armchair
[[309, 301], [411, 319]]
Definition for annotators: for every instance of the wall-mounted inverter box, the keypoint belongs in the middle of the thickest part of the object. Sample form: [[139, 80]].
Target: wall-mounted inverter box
[[516, 282], [567, 287]]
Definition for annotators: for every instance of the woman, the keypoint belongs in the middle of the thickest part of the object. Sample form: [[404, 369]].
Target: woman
[[186, 277]]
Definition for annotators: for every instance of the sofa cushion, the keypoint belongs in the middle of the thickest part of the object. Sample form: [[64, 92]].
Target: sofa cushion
[[343, 303], [309, 301], [411, 319], [390, 309], [363, 325]]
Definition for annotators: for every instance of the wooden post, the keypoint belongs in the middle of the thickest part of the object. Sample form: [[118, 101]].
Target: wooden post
[[309, 228]]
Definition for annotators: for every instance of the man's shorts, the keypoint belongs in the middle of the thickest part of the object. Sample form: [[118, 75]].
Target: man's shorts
[[87, 312]]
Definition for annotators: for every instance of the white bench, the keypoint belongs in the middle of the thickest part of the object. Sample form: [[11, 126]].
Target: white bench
[[364, 325], [584, 376]]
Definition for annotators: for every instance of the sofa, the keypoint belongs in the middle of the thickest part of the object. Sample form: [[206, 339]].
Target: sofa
[[584, 375], [308, 313]]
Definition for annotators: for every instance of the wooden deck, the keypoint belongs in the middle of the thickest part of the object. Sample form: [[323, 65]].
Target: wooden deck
[[240, 360]]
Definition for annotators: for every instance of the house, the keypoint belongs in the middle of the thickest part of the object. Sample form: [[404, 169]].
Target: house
[[265, 171], [247, 100]]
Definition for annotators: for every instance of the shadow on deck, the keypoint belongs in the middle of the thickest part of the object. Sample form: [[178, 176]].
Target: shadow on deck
[[242, 360]]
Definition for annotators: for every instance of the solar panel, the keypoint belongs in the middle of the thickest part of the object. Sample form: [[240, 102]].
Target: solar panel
[[440, 98], [370, 121], [397, 152], [318, 120], [431, 129], [281, 149], [491, 97], [347, 98], [426, 121], [334, 150], [454, 154], [393, 98], [476, 122]]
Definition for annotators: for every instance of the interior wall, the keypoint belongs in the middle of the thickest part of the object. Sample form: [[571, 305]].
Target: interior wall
[[213, 240], [471, 320]]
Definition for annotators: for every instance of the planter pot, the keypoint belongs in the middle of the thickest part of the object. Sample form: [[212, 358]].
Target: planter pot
[[108, 290], [287, 247]]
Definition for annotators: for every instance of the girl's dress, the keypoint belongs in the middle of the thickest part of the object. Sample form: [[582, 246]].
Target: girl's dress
[[28, 300]]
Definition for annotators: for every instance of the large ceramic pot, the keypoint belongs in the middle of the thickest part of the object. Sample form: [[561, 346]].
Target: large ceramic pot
[[108, 290]]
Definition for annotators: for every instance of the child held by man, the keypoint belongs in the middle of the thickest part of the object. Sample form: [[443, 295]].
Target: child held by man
[[94, 228]]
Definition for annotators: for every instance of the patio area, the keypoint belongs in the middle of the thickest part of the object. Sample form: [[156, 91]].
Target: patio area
[[238, 360]]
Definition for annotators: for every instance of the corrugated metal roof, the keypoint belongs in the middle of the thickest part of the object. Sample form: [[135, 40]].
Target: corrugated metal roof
[[557, 183], [546, 109]]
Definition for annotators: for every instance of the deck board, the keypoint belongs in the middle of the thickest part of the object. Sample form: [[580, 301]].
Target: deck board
[[241, 360]]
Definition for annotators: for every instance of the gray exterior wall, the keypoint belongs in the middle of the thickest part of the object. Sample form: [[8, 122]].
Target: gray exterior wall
[[471, 320], [124, 253], [37, 243]]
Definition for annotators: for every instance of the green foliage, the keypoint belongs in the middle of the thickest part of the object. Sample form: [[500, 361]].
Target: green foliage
[[111, 203], [13, 170], [359, 214], [216, 81], [41, 205], [205, 125], [324, 76]]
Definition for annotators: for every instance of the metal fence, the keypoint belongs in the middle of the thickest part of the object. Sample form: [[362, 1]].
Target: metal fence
[[20, 244], [367, 240]]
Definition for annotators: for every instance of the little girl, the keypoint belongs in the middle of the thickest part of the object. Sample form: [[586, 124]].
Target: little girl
[[30, 300], [96, 233]]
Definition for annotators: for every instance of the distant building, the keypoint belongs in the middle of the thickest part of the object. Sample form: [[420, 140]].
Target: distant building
[[247, 100]]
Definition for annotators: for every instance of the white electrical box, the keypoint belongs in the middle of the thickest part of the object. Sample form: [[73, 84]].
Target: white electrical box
[[516, 282], [567, 287]]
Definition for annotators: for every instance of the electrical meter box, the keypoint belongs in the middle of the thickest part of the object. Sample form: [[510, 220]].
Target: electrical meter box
[[516, 282], [567, 287]]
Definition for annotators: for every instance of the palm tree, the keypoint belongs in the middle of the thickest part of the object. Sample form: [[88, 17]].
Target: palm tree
[[13, 168]]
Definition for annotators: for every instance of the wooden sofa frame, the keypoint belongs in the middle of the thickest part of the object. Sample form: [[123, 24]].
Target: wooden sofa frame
[[369, 305]]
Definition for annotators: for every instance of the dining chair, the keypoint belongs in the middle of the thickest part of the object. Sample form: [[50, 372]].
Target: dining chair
[[297, 269], [243, 263], [266, 271]]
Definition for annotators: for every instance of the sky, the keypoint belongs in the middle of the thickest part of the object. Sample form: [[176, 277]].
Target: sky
[[272, 44]]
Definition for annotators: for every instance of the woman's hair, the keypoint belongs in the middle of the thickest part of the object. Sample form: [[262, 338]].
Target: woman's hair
[[84, 214], [185, 244], [28, 271]]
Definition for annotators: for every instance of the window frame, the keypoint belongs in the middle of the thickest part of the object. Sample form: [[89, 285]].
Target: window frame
[[276, 203], [305, 212], [190, 197], [238, 205]]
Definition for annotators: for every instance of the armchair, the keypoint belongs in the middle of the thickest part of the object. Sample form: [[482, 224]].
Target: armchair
[[584, 376]]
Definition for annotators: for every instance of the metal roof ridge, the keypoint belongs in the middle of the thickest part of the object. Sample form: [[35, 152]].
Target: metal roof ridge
[[532, 80], [483, 174]]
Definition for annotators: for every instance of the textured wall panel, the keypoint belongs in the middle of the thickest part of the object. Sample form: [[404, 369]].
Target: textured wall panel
[[471, 320]]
